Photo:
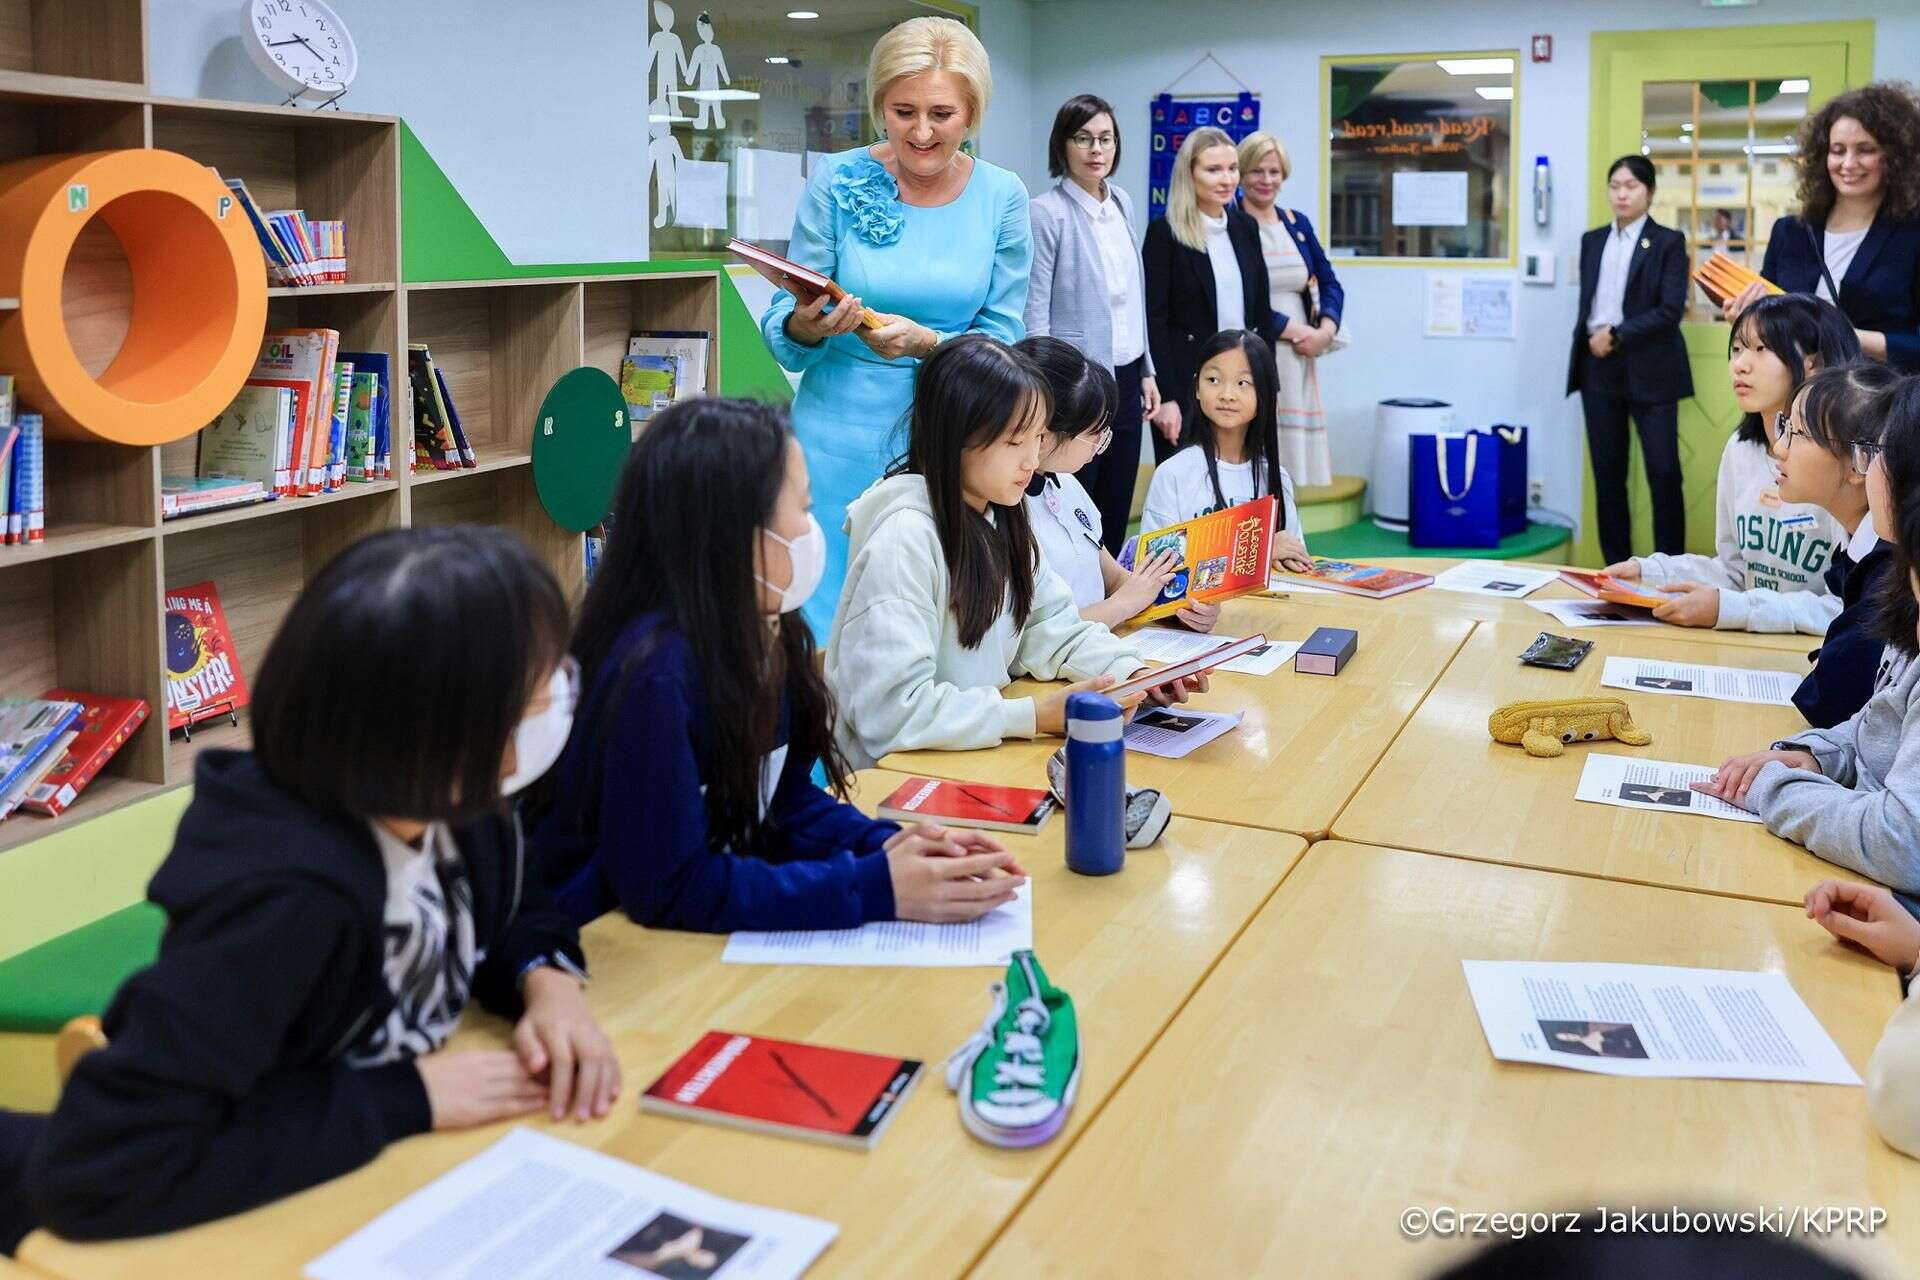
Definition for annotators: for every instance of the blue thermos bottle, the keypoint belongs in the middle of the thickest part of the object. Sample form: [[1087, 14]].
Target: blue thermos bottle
[[1096, 785]]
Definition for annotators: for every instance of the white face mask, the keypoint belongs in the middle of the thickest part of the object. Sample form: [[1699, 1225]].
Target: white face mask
[[808, 552], [540, 738]]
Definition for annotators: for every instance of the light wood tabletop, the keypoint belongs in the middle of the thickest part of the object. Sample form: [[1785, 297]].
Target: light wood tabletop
[[1460, 604], [1305, 742], [928, 1198], [1332, 1073], [1446, 787]]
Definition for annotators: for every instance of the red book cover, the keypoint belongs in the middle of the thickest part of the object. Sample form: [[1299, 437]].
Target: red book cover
[[203, 671], [968, 804], [1611, 589], [781, 1087], [105, 724]]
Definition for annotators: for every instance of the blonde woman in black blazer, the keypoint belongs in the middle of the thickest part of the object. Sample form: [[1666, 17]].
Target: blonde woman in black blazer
[[1204, 273]]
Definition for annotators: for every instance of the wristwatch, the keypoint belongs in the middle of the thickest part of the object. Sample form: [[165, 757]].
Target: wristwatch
[[552, 960], [1785, 745]]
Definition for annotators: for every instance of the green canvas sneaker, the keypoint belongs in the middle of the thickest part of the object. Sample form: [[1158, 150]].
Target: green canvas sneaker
[[1016, 1077]]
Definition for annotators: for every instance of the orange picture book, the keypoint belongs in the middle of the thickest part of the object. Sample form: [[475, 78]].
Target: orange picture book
[[1723, 278], [784, 273], [1222, 555], [1603, 586], [1376, 582], [968, 804]]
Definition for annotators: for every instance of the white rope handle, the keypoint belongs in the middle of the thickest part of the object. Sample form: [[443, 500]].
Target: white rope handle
[[1440, 460]]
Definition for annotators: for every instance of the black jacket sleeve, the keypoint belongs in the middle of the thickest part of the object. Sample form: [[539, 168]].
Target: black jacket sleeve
[[535, 928], [1156, 259], [191, 1112], [1669, 282]]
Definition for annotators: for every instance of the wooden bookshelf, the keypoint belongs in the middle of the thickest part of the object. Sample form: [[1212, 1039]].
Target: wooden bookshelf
[[84, 608]]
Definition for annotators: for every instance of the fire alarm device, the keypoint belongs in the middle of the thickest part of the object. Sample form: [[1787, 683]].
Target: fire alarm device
[[1543, 48]]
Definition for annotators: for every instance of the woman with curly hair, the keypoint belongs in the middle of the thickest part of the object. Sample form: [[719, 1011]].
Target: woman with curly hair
[[1856, 241]]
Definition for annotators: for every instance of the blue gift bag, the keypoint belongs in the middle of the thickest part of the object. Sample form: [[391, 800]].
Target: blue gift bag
[[1511, 444], [1453, 490]]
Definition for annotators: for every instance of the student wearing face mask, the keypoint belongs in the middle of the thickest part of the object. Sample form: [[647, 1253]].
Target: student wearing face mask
[[335, 899], [686, 796]]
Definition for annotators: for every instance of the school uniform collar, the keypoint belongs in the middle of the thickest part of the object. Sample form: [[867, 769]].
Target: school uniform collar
[[1863, 541], [1632, 230], [1098, 210]]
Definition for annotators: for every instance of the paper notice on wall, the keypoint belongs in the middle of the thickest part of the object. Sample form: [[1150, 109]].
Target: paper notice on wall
[[1429, 199], [1469, 305], [700, 194], [766, 191], [1653, 1020], [1664, 786]]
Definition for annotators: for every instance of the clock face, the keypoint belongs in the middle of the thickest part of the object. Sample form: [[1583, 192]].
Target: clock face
[[301, 45]]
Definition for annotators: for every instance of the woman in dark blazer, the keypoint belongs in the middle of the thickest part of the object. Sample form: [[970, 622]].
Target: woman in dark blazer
[[1859, 222], [1629, 359], [1200, 245]]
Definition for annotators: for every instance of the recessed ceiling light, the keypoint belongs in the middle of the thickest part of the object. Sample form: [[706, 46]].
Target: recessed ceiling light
[[718, 95], [778, 60], [801, 15], [1495, 92], [1476, 66]]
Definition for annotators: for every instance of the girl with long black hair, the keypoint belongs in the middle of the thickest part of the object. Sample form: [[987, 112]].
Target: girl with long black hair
[[947, 598], [686, 794]]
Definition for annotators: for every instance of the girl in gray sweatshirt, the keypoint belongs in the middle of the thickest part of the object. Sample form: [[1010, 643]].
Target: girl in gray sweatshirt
[[1851, 794]]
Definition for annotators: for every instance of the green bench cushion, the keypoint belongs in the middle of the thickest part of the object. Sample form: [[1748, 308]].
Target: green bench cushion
[[78, 972], [1367, 540]]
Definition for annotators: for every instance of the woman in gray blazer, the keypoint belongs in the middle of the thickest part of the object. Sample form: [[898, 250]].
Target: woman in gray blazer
[[1086, 288]]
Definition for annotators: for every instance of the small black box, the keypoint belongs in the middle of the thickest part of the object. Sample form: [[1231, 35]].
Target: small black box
[[1326, 651]]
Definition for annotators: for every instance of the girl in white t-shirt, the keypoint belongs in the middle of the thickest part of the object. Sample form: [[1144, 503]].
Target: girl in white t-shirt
[[1231, 445], [1065, 521]]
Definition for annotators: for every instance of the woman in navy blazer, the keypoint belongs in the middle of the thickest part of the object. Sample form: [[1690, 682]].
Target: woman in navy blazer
[[1184, 308], [1629, 359], [1859, 222]]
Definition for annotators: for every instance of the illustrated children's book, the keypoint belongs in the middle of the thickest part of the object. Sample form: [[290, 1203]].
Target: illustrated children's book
[[1222, 555], [1352, 579], [104, 726], [203, 671], [778, 1086]]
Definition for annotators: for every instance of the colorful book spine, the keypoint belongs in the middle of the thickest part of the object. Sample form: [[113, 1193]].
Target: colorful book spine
[[462, 449], [337, 428], [30, 480], [105, 725]]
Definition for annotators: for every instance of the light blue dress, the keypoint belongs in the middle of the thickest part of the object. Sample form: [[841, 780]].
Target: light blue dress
[[957, 268]]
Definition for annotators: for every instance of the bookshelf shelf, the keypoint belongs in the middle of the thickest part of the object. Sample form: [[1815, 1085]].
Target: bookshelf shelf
[[74, 539], [504, 462], [84, 609]]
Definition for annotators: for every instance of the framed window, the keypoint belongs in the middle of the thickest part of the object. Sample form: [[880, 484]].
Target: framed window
[[1420, 165]]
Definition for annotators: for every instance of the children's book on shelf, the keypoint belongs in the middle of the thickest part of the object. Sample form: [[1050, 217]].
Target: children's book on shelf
[[686, 348], [27, 483], [191, 495], [15, 796], [1222, 555], [782, 1087], [336, 452], [1371, 580], [9, 438], [362, 463], [378, 365], [203, 670], [969, 804], [299, 250], [434, 446], [462, 449], [29, 729], [804, 283], [647, 384], [104, 726], [304, 358], [246, 440]]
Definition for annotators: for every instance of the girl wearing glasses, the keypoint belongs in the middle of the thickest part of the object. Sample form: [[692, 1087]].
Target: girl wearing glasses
[[1823, 452], [1767, 573], [1065, 524], [1087, 288]]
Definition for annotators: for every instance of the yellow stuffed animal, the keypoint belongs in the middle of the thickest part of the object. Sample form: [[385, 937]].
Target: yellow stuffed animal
[[1544, 728]]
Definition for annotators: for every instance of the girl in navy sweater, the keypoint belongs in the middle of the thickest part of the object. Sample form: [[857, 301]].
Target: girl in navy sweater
[[686, 796]]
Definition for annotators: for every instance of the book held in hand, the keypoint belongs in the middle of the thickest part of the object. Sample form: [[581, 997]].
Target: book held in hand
[[1604, 586], [1222, 555], [783, 273], [786, 1088], [1022, 810], [1352, 579]]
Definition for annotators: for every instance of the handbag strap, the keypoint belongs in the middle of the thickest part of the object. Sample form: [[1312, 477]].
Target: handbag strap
[[1440, 462], [1820, 256]]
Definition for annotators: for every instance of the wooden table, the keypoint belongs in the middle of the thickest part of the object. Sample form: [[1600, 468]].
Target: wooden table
[[927, 1200], [1332, 1072], [1305, 742], [1459, 604], [1446, 787]]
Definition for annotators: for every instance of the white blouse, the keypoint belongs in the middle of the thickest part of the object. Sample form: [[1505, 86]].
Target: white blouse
[[1230, 304]]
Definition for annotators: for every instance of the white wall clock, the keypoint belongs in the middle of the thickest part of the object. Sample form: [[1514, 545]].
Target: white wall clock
[[302, 46]]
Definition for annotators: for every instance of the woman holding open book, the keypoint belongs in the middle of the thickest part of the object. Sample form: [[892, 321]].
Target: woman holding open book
[[1856, 239], [935, 240]]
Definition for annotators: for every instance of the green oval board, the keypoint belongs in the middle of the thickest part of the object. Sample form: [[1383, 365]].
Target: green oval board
[[580, 442]]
